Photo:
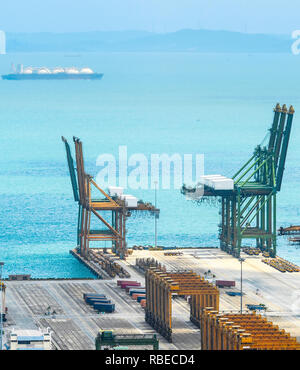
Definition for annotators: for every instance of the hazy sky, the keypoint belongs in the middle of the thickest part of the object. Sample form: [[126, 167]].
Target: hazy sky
[[262, 16]]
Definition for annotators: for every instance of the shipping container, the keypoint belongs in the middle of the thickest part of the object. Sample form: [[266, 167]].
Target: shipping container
[[223, 184], [129, 288], [119, 282], [138, 289], [115, 190], [132, 285], [90, 295], [130, 200], [225, 283], [140, 297], [136, 295], [142, 291], [105, 307], [205, 179], [98, 300]]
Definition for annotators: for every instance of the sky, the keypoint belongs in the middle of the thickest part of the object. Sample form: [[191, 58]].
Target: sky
[[251, 16]]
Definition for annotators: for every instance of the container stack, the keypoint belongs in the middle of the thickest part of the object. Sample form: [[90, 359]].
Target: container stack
[[139, 295], [135, 291], [130, 200], [99, 302], [217, 182], [117, 191], [123, 284]]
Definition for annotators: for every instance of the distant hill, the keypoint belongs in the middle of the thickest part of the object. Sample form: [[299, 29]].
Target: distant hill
[[184, 40]]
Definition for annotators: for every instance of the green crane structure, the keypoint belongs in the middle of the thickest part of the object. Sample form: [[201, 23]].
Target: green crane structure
[[107, 338], [249, 210]]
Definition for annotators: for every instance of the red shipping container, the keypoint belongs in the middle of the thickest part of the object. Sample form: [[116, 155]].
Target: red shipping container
[[119, 282], [225, 283], [123, 286], [135, 295]]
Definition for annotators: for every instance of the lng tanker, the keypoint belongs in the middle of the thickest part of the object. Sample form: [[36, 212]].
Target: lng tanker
[[58, 73]]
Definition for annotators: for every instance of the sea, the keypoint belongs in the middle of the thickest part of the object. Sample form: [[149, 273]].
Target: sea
[[218, 105]]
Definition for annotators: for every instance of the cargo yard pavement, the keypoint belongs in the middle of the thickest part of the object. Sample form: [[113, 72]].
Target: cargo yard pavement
[[75, 324], [280, 292]]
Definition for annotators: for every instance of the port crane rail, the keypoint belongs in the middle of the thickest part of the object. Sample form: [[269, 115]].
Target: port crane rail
[[249, 210], [83, 187]]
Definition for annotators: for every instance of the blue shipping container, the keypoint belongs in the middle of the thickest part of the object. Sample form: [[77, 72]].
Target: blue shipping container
[[90, 295], [99, 300], [86, 296], [104, 307], [91, 298], [137, 292]]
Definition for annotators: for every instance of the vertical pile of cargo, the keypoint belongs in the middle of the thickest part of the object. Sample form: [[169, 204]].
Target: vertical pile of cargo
[[161, 285]]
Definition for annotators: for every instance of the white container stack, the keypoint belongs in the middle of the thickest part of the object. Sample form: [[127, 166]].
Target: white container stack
[[115, 191], [130, 200], [208, 180], [223, 184], [217, 182]]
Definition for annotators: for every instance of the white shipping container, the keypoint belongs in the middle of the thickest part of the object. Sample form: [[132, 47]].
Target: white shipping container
[[211, 181], [131, 201], [115, 190], [217, 182], [223, 184], [123, 196], [205, 179]]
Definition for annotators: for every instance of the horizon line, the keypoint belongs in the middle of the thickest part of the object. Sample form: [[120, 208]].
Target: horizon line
[[149, 32]]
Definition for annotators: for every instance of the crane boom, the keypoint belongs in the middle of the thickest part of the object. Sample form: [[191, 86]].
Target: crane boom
[[71, 170]]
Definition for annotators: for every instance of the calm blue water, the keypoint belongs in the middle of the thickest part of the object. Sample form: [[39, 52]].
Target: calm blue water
[[216, 104]]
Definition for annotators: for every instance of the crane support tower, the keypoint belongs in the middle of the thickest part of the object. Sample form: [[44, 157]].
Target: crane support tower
[[95, 202], [248, 209]]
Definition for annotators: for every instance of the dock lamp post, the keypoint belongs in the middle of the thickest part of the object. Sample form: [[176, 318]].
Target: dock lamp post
[[1, 313], [241, 261]]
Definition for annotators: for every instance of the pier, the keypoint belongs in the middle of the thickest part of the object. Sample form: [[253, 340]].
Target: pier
[[75, 324], [186, 293]]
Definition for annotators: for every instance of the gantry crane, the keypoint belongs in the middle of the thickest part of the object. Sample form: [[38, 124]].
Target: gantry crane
[[161, 285], [248, 210], [84, 187]]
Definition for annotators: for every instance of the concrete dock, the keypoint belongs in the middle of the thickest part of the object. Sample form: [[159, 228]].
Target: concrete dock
[[60, 306], [75, 324]]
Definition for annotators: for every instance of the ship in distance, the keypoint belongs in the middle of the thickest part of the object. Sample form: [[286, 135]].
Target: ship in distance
[[58, 73]]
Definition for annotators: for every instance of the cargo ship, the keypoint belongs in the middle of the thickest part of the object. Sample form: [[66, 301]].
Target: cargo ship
[[58, 73]]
